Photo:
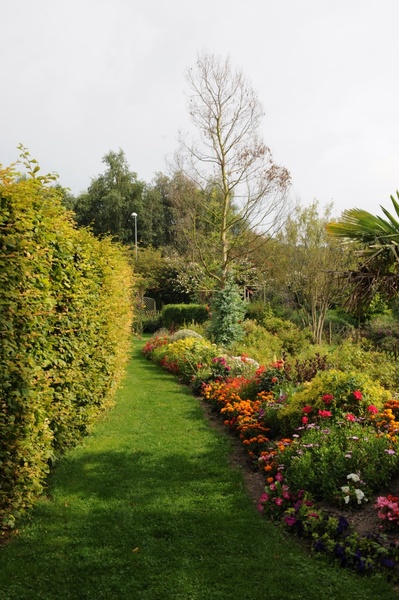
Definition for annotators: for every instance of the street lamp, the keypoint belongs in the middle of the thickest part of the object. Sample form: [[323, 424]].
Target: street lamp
[[135, 232]]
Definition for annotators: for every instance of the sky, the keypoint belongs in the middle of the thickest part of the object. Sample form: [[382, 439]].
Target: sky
[[83, 77]]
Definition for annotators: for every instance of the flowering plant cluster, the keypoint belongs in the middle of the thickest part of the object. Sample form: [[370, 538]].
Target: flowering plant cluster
[[240, 414], [155, 342], [278, 498], [388, 511], [388, 419], [312, 439], [352, 491], [267, 378]]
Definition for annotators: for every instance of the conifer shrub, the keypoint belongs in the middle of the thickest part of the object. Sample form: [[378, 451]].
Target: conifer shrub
[[227, 315]]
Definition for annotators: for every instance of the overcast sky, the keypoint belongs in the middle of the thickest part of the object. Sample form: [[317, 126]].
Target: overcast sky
[[82, 77]]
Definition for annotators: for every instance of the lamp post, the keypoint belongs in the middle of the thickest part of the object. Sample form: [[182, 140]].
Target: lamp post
[[135, 232]]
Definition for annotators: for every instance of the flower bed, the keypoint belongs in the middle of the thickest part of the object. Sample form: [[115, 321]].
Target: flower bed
[[328, 440]]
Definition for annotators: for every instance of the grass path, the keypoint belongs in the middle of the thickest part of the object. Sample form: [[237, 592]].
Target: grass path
[[149, 509]]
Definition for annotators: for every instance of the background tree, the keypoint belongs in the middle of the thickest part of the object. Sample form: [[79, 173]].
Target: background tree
[[158, 220], [304, 264], [111, 199], [243, 187]]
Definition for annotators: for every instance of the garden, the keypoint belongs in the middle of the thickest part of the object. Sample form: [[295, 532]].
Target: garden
[[321, 429]]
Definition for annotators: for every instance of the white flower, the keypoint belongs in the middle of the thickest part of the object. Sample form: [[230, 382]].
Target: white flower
[[346, 498], [359, 495], [353, 476], [345, 489]]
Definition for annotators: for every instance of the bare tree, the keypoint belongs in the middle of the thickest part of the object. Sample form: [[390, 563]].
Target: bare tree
[[246, 189]]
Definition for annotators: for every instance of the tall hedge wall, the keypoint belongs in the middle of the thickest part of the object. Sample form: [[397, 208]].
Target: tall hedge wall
[[65, 321]]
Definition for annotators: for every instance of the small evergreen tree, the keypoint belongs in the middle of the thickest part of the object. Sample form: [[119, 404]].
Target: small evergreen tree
[[227, 314]]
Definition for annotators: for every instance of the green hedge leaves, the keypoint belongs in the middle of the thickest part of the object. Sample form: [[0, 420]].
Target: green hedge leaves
[[179, 315], [65, 322]]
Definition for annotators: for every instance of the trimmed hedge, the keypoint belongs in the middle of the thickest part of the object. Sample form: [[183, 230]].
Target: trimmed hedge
[[180, 315], [65, 320]]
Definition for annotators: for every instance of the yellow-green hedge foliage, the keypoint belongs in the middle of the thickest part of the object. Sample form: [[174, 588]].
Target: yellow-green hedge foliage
[[65, 318]]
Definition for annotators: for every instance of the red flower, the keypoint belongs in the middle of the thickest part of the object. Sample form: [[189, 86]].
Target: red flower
[[307, 409], [372, 409], [350, 417], [305, 420], [328, 398], [325, 413], [358, 394]]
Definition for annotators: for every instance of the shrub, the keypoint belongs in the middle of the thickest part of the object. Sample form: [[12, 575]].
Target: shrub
[[185, 357], [322, 458], [179, 315], [293, 339], [182, 334], [383, 331], [227, 314], [151, 325], [336, 392], [358, 356], [258, 343], [258, 311], [65, 322]]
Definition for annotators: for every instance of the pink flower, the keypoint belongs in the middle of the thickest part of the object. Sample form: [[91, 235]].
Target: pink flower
[[279, 477], [290, 520], [278, 501], [325, 413], [358, 394], [372, 409], [350, 417], [307, 409], [305, 420], [328, 398]]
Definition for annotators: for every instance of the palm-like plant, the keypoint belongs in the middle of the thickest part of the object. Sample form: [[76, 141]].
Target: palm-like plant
[[377, 240]]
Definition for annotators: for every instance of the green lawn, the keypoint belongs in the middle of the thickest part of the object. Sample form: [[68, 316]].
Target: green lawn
[[149, 509]]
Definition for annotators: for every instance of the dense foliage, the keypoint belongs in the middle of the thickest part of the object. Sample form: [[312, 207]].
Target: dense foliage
[[227, 314], [178, 315], [65, 324]]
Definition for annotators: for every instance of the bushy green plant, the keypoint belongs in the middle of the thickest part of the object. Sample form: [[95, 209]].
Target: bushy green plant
[[293, 339], [65, 322], [351, 355], [151, 324], [258, 343], [179, 315], [258, 311], [182, 334], [335, 391], [322, 458], [185, 357], [383, 331], [227, 314]]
